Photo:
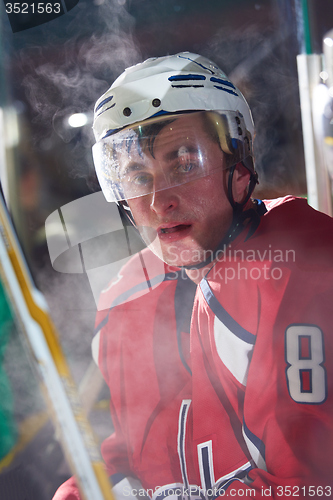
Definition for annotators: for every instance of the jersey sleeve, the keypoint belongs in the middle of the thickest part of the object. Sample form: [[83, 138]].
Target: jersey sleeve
[[124, 344], [114, 453], [68, 491], [108, 332]]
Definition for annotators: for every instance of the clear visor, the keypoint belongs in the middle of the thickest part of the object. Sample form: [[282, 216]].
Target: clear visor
[[164, 153]]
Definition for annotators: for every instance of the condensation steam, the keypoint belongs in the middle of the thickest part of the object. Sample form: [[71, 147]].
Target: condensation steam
[[62, 78], [262, 66]]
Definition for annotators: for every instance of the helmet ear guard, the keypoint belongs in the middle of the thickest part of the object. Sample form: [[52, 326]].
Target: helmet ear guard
[[227, 127], [220, 124], [247, 162], [234, 138]]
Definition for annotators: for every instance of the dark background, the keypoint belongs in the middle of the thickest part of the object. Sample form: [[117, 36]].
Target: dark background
[[51, 71]]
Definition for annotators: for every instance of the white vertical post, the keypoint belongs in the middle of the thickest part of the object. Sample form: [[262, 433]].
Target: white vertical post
[[318, 184]]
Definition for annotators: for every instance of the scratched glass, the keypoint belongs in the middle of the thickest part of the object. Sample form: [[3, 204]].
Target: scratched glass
[[163, 153]]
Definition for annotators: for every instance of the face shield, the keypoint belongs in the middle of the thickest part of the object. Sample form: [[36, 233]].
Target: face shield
[[169, 151]]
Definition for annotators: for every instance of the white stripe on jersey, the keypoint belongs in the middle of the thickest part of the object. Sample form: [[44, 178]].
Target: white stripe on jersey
[[95, 347], [246, 468], [253, 444], [234, 352], [181, 438]]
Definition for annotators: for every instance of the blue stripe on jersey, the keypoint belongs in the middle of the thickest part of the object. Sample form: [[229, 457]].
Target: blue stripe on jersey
[[101, 324], [206, 468], [223, 483], [184, 298], [116, 478], [223, 316], [255, 446], [239, 473], [123, 297]]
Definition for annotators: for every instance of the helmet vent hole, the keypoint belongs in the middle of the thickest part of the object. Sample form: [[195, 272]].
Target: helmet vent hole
[[127, 111], [156, 103], [237, 120], [240, 132]]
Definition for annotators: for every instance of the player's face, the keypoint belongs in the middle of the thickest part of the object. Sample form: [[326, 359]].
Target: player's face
[[183, 223]]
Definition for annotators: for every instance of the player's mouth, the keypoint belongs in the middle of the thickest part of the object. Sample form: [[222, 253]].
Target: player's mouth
[[173, 232]]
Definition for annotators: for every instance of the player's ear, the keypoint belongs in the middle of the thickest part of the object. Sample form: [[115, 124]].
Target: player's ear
[[240, 182]]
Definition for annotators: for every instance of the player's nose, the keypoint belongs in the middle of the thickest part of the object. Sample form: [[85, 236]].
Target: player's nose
[[164, 201]]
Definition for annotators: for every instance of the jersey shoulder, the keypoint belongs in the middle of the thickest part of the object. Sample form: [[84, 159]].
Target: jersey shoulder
[[136, 287], [291, 251], [143, 272], [290, 223], [294, 214]]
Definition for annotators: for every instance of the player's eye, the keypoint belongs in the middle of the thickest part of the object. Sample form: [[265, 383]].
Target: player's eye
[[187, 164], [141, 179], [136, 174], [137, 184], [188, 160], [186, 167]]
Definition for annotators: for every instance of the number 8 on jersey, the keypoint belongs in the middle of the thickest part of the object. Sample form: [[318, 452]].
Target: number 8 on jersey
[[306, 375]]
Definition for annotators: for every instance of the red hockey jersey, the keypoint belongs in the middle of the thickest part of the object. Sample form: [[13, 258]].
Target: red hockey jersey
[[234, 399]]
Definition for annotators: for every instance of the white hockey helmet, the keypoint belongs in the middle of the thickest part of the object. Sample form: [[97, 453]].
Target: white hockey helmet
[[157, 90]]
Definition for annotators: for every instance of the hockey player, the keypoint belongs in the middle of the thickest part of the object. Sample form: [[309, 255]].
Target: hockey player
[[219, 366]]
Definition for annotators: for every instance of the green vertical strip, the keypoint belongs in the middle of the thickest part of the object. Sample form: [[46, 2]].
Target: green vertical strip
[[303, 26], [306, 25], [7, 425], [8, 432]]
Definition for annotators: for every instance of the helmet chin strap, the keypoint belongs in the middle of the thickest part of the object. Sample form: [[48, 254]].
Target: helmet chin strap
[[239, 220], [238, 207], [125, 213]]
